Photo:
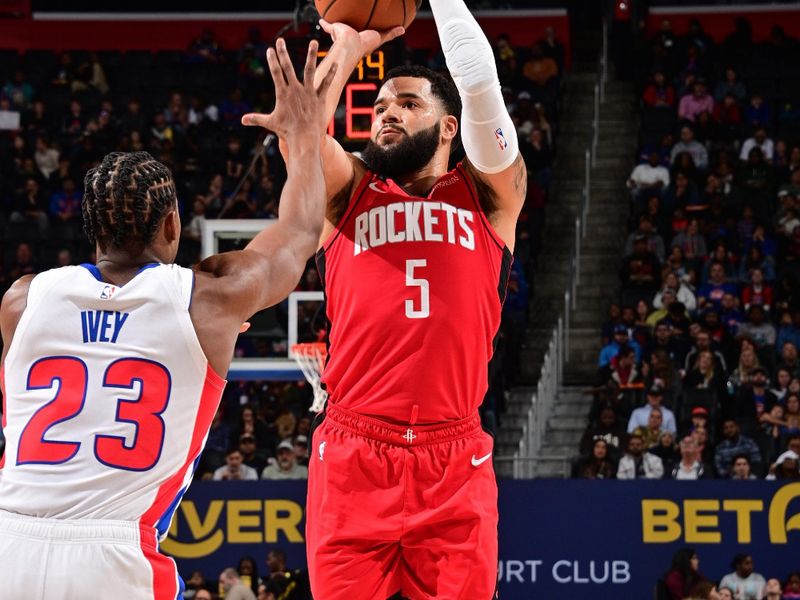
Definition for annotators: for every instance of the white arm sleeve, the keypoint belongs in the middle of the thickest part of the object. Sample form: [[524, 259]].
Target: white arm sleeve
[[488, 134]]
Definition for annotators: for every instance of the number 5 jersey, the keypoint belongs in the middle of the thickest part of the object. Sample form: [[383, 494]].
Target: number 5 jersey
[[108, 397], [414, 289]]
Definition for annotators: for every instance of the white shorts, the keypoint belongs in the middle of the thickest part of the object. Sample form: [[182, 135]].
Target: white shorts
[[60, 559]]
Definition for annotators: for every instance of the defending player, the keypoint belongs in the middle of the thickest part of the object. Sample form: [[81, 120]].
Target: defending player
[[414, 260], [112, 371]]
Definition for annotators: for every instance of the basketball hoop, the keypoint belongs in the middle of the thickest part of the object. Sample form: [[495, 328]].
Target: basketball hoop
[[311, 360]]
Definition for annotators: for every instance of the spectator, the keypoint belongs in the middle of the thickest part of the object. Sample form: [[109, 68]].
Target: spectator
[[284, 583], [23, 263], [792, 587], [641, 272], [552, 48], [235, 469], [732, 445], [65, 209], [740, 469], [608, 429], [654, 242], [29, 207], [250, 423], [773, 590], [247, 448], [703, 343], [286, 466], [717, 286], [658, 93], [784, 374], [19, 92], [728, 114], [688, 144], [673, 346], [758, 292], [758, 140], [609, 352], [748, 363], [690, 466], [684, 574], [757, 328], [697, 102], [684, 293], [301, 450], [667, 451], [598, 465], [638, 464], [773, 432], [651, 433], [745, 583], [730, 315], [787, 467], [757, 113], [248, 573], [650, 177], [641, 416], [205, 49], [539, 70], [506, 60], [46, 157], [233, 586], [790, 331], [690, 240], [730, 86]]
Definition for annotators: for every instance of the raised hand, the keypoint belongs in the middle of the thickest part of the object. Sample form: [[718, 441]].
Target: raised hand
[[299, 106], [368, 40]]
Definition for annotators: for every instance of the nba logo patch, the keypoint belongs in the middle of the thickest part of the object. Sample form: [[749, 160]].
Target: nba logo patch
[[501, 139], [107, 292]]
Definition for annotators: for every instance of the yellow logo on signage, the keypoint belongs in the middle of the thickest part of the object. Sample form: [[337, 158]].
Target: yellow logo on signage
[[662, 523], [246, 522]]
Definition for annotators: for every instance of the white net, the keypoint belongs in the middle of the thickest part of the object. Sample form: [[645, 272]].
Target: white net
[[311, 360]]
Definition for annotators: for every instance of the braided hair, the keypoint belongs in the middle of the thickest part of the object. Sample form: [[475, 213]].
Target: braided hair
[[126, 198]]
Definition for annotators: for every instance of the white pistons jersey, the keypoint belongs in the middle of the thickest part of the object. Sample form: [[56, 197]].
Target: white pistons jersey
[[108, 398]]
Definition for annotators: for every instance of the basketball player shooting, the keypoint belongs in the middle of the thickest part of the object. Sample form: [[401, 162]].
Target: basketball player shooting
[[112, 370], [414, 260]]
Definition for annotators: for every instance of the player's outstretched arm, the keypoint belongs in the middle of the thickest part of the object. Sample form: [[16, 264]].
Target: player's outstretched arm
[[271, 265], [487, 131]]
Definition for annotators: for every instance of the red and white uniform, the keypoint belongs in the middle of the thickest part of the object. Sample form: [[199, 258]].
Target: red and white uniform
[[402, 494], [414, 290], [108, 401]]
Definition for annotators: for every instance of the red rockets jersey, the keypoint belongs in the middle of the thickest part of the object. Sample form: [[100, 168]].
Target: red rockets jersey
[[414, 289]]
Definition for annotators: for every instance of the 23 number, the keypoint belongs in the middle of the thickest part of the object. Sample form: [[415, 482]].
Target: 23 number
[[71, 377]]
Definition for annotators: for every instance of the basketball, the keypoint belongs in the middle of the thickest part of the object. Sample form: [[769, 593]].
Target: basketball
[[373, 14]]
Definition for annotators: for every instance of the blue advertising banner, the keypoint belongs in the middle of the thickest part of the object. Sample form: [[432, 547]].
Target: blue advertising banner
[[558, 539]]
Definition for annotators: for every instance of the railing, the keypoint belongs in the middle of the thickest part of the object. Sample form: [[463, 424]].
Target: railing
[[528, 455]]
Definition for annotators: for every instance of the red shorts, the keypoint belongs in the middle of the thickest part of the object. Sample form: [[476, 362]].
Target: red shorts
[[395, 508]]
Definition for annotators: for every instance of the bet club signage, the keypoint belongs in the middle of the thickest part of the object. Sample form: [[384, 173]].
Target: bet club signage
[[558, 539]]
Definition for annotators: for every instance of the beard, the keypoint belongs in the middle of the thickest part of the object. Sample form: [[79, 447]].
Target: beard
[[410, 154]]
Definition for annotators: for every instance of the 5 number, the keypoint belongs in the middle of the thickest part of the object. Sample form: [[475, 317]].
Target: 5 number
[[424, 310]]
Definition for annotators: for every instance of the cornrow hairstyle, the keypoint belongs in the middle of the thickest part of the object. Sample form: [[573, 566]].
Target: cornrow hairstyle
[[126, 198]]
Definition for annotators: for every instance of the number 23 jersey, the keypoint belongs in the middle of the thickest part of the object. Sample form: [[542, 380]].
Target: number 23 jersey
[[108, 397], [414, 289]]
